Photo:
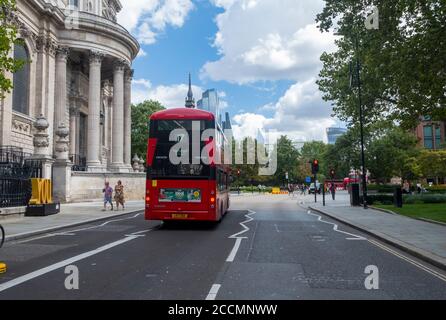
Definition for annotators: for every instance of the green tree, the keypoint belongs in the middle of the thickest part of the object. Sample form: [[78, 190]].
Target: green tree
[[433, 163], [403, 68], [8, 37], [287, 161], [309, 152], [140, 125], [391, 155]]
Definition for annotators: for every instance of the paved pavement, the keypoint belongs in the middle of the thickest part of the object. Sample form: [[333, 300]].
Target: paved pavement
[[265, 248], [423, 239]]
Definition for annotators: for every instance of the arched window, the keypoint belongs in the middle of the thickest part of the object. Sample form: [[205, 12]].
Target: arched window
[[21, 81]]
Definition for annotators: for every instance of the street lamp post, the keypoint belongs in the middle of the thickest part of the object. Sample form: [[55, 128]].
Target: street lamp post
[[361, 124]]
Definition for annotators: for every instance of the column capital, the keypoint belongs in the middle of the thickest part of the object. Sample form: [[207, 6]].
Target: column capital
[[62, 53], [96, 57], [129, 75], [120, 65]]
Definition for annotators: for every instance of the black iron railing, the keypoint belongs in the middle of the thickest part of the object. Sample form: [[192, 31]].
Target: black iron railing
[[16, 170]]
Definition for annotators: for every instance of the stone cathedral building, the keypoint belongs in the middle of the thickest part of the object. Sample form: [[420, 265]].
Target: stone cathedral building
[[71, 103]]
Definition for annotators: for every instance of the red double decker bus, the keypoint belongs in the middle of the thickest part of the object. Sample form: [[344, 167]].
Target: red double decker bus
[[194, 189]]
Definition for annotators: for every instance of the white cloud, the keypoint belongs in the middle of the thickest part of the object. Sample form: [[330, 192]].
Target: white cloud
[[142, 53], [267, 40], [300, 114], [146, 19], [172, 96]]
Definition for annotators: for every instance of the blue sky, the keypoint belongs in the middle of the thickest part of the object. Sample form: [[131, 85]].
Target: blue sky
[[262, 55]]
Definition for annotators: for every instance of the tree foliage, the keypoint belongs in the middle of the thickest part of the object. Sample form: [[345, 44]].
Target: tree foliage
[[140, 125], [8, 36], [403, 65]]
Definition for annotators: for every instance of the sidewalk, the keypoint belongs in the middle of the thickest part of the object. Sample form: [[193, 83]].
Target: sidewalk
[[424, 240], [70, 215]]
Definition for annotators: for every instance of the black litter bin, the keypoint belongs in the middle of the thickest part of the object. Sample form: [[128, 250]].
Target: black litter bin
[[398, 197], [355, 200]]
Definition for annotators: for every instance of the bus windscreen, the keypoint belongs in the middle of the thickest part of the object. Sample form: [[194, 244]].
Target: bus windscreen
[[161, 167]]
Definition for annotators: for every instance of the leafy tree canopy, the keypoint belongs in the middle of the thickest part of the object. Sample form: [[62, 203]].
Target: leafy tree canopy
[[8, 36], [140, 125], [403, 65]]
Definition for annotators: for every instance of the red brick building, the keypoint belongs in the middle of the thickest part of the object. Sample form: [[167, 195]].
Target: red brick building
[[431, 134]]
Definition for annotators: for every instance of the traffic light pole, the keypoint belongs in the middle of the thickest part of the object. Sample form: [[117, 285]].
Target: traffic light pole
[[315, 188]]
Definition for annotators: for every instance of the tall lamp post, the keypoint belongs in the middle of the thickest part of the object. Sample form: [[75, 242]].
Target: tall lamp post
[[361, 123]]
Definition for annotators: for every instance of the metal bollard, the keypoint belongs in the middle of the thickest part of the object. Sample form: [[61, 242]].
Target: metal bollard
[[323, 195]]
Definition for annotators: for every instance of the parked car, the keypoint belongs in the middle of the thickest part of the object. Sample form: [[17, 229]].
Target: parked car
[[318, 188]]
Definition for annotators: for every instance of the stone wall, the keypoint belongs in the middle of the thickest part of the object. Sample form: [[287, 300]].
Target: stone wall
[[87, 186]]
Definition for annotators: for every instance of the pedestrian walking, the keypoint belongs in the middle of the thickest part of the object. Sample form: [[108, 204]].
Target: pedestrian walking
[[108, 195], [119, 195], [333, 191]]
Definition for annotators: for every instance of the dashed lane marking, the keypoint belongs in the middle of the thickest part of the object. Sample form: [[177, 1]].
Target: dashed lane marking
[[213, 292]]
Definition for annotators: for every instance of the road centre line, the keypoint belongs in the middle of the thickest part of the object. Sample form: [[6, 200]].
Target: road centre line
[[64, 263], [238, 236], [238, 240], [213, 292]]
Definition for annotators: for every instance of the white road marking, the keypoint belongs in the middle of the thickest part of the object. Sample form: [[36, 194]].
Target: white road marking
[[238, 241], [234, 251], [238, 237], [73, 232], [413, 262], [213, 292], [143, 231], [64, 263], [336, 228]]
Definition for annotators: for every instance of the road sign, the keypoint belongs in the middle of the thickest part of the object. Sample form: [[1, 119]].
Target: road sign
[[308, 180]]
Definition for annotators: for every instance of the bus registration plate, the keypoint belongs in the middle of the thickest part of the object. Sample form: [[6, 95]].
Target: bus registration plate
[[179, 216]]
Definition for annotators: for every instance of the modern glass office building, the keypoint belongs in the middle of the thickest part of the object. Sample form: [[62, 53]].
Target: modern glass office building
[[210, 102], [334, 133]]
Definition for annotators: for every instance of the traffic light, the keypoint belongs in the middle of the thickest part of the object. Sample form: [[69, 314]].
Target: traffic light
[[315, 166], [239, 172]]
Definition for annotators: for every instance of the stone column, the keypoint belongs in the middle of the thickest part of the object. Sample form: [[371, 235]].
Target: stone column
[[74, 115], [61, 86], [62, 166], [128, 118], [94, 108], [118, 118]]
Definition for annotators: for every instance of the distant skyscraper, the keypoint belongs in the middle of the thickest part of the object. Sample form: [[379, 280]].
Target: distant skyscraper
[[227, 125], [210, 102], [190, 101], [334, 133]]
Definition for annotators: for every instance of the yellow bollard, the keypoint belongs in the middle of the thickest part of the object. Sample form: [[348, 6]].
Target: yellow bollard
[[2, 267]]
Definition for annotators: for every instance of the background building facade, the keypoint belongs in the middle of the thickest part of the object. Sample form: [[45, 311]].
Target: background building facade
[[71, 102], [334, 133]]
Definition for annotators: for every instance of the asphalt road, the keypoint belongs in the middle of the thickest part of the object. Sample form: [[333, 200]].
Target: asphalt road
[[266, 248]]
